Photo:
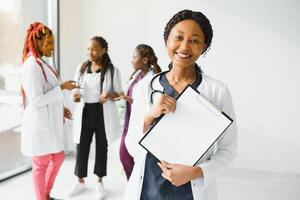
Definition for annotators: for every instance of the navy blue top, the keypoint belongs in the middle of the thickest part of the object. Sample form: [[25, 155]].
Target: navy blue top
[[155, 187]]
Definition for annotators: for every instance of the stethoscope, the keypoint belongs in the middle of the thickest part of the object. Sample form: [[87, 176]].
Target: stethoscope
[[154, 91], [49, 85]]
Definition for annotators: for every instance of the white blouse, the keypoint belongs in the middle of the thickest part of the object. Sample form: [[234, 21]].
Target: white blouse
[[91, 92], [110, 111]]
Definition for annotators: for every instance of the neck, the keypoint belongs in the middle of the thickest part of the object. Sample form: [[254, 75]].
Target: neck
[[97, 62], [96, 65], [179, 74], [144, 69], [39, 54]]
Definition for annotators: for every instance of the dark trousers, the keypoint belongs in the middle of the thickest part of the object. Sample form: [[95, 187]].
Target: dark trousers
[[92, 122]]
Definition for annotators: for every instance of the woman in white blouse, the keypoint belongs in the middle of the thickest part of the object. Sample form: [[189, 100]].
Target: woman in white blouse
[[95, 112]]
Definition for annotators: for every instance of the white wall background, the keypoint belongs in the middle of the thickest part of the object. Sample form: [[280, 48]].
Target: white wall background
[[39, 11], [32, 11], [255, 51]]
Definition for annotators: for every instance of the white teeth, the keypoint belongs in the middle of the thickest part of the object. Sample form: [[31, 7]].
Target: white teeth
[[183, 55]]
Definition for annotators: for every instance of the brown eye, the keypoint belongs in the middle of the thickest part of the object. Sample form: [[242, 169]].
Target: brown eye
[[178, 37], [195, 41]]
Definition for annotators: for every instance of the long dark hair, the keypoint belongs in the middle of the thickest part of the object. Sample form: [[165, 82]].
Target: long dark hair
[[147, 51], [106, 62]]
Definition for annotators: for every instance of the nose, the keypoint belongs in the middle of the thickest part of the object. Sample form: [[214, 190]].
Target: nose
[[184, 45], [88, 53]]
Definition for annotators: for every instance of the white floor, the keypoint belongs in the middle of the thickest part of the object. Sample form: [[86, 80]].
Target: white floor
[[235, 184], [20, 187]]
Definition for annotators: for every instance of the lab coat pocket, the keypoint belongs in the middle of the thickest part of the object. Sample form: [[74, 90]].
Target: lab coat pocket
[[41, 119]]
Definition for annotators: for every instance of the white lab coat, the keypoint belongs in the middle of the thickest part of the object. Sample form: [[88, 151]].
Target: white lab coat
[[140, 84], [214, 161], [110, 111], [42, 122]]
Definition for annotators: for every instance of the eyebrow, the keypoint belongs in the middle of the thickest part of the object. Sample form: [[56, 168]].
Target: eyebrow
[[192, 34]]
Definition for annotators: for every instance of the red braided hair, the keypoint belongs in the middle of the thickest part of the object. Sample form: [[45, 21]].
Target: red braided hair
[[36, 31]]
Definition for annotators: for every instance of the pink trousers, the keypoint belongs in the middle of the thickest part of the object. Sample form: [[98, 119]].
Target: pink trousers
[[44, 171]]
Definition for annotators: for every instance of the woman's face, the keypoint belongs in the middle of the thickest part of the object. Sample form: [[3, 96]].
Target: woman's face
[[95, 51], [45, 46], [137, 61], [185, 43]]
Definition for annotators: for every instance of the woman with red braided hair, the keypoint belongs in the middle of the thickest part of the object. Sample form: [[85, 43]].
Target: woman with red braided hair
[[44, 111]]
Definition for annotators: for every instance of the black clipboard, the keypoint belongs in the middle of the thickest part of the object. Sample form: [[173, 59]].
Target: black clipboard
[[180, 137]]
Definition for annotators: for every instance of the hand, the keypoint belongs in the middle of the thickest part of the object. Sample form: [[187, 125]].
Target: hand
[[125, 97], [129, 99], [121, 96], [164, 105], [179, 174], [77, 97], [103, 98], [67, 113], [68, 85]]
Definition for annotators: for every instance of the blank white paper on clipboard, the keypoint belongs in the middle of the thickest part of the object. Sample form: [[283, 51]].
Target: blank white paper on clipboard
[[183, 137]]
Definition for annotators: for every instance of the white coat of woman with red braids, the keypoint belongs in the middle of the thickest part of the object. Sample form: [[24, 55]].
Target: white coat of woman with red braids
[[42, 135]]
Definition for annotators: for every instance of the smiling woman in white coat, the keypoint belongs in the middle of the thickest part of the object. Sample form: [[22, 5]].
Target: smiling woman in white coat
[[44, 112], [187, 36], [95, 112]]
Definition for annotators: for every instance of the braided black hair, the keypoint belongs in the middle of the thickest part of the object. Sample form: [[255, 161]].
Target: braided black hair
[[198, 17], [146, 51]]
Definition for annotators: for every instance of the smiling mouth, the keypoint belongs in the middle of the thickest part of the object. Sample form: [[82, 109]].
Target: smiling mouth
[[183, 55]]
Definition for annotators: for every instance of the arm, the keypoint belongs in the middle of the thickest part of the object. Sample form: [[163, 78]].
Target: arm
[[125, 97], [164, 105], [32, 82], [135, 128], [76, 93], [139, 108], [226, 146], [179, 174], [142, 118], [123, 94]]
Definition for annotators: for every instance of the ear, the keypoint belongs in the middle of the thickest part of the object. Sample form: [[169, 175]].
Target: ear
[[43, 31], [37, 45], [204, 49], [166, 42], [145, 60], [103, 51]]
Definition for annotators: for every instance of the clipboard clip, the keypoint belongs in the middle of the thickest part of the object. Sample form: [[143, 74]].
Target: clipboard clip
[[208, 104]]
